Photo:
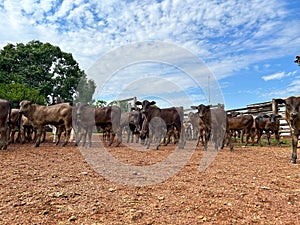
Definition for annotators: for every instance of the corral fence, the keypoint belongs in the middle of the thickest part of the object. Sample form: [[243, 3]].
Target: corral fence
[[261, 108], [267, 108], [128, 103]]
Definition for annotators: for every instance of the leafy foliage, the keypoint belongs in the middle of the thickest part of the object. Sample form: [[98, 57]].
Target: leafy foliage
[[19, 92], [41, 68]]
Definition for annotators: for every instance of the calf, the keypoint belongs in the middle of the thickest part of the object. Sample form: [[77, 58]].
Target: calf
[[5, 110], [14, 124], [242, 123], [214, 123], [130, 122], [292, 115], [270, 124], [172, 116], [59, 114], [88, 117]]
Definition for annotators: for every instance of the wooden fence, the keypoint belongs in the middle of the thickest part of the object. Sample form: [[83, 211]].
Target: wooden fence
[[263, 108], [267, 108]]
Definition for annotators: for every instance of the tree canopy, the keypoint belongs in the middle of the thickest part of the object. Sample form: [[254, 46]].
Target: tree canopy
[[44, 71]]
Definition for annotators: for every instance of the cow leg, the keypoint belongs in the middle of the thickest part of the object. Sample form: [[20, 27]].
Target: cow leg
[[12, 136], [43, 135], [268, 137], [3, 138], [112, 138], [84, 133], [207, 137], [68, 133], [247, 136], [294, 143], [276, 133], [58, 135], [90, 134], [259, 133], [39, 131], [253, 134]]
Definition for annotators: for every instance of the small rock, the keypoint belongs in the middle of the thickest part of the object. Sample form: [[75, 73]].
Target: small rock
[[111, 190], [46, 212], [161, 198], [84, 173], [72, 218]]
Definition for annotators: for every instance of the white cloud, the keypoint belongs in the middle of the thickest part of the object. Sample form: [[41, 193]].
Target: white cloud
[[228, 35], [274, 76], [277, 76]]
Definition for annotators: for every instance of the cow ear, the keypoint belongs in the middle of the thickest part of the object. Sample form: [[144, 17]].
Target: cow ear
[[194, 107], [207, 107], [278, 116], [138, 103], [265, 116], [152, 103]]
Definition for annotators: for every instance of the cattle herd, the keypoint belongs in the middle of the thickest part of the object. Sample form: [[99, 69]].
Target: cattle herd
[[146, 123]]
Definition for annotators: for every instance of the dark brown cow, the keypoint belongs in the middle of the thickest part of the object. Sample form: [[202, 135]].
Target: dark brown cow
[[88, 117], [215, 125], [5, 109], [270, 125], [243, 123], [172, 116], [292, 114], [59, 114]]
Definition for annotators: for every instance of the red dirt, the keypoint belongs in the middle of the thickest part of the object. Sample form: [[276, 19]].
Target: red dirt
[[55, 185]]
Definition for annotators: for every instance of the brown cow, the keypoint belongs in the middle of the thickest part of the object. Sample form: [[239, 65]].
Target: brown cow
[[215, 125], [103, 117], [59, 114], [269, 124], [242, 123], [292, 114], [172, 116], [5, 109]]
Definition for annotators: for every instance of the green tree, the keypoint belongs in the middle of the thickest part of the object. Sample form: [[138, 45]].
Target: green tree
[[19, 92], [85, 91], [42, 67]]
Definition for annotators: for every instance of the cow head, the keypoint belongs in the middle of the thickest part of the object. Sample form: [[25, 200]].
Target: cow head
[[202, 109], [145, 105], [274, 117], [25, 107], [271, 120], [292, 107]]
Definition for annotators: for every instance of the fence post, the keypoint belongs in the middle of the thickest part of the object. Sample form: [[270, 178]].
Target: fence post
[[274, 106]]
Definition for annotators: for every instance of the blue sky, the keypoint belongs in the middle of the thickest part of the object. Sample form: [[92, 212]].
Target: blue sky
[[248, 46]]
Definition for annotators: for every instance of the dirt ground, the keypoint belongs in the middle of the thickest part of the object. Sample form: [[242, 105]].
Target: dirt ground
[[58, 185]]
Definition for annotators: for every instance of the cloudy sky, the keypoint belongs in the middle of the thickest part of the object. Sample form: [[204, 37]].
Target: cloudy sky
[[177, 52]]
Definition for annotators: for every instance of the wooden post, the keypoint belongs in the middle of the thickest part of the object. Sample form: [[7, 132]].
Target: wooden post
[[274, 106]]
